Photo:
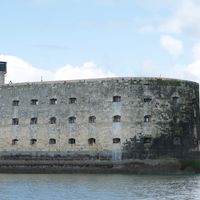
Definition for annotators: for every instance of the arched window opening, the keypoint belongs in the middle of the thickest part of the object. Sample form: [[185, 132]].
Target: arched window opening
[[52, 120], [15, 121], [72, 120], [92, 119], [147, 99], [116, 98], [116, 140], [71, 141], [53, 101], [72, 100], [91, 141], [33, 120], [52, 141], [175, 99], [33, 141], [15, 103], [34, 101], [147, 118], [14, 141], [147, 139], [116, 118]]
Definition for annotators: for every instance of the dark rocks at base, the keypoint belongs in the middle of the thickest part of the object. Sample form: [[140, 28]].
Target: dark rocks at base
[[157, 166]]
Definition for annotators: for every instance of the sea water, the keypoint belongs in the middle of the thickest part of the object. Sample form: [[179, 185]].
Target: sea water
[[98, 187]]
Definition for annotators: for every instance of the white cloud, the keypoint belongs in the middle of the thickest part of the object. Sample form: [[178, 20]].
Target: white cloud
[[87, 70], [185, 72], [185, 19], [189, 72], [171, 26], [172, 45], [193, 70], [21, 71]]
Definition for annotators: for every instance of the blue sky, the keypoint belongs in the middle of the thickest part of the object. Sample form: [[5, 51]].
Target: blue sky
[[68, 39]]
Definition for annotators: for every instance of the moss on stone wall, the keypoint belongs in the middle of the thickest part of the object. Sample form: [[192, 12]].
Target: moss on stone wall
[[193, 165], [167, 82]]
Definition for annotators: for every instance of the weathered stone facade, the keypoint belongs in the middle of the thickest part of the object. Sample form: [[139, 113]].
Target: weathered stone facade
[[106, 119]]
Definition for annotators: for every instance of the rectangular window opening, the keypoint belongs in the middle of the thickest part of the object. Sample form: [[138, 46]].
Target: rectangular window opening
[[71, 141], [72, 100], [33, 141], [91, 141], [117, 118], [92, 119], [147, 118], [15, 121], [147, 99], [116, 140], [72, 120], [116, 98], [53, 101], [15, 103], [52, 120], [34, 102], [33, 120], [14, 141], [147, 140], [52, 141], [175, 99]]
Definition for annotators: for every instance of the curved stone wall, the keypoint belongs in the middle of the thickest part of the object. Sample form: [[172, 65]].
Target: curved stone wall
[[116, 118]]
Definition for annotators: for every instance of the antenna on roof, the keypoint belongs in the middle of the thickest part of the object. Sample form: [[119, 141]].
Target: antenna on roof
[[41, 78]]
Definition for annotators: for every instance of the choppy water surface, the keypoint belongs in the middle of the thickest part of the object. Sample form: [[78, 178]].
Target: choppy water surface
[[98, 187]]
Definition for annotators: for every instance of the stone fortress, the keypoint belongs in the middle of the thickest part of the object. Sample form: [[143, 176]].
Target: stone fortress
[[108, 119]]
